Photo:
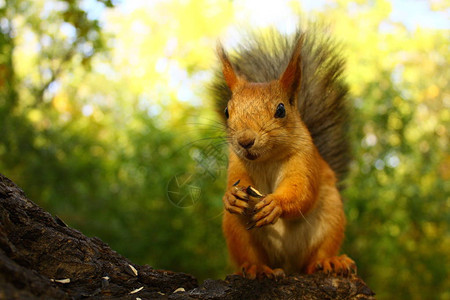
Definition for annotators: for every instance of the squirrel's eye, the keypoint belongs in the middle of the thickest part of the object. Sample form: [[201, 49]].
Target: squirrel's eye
[[226, 112], [281, 111]]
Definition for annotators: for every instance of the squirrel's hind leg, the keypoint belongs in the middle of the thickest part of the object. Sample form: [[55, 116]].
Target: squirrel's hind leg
[[338, 265], [247, 255], [325, 259], [260, 271]]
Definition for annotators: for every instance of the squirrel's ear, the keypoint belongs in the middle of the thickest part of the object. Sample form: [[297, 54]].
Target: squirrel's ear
[[230, 76], [290, 80]]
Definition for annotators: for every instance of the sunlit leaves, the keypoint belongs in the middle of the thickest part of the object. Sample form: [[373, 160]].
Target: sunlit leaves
[[101, 109], [400, 140]]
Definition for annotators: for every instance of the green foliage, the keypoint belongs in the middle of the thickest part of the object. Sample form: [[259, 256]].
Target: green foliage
[[105, 123]]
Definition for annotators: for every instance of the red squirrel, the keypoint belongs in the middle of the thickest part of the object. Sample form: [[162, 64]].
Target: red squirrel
[[283, 103]]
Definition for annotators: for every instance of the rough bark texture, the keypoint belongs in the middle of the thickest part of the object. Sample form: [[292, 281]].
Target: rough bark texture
[[42, 258]]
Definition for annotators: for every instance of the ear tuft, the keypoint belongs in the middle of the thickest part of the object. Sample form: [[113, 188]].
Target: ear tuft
[[290, 80], [227, 69]]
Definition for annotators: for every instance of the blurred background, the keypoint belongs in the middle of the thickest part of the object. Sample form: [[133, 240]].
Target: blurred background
[[105, 122]]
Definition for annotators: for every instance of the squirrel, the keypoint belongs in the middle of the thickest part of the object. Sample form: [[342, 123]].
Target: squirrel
[[283, 103]]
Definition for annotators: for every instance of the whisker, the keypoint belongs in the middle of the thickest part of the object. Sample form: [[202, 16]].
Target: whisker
[[263, 128], [304, 218], [202, 139], [220, 214], [210, 123]]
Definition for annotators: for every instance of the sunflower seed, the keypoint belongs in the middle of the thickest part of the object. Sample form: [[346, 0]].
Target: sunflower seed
[[253, 192], [136, 290], [135, 272], [67, 280]]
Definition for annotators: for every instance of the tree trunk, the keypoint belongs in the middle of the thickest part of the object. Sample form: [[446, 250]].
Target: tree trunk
[[40, 257]]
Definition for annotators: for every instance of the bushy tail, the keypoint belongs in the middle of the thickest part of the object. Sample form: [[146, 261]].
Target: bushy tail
[[263, 56]]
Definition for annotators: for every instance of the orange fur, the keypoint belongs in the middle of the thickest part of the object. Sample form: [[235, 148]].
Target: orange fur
[[299, 224]]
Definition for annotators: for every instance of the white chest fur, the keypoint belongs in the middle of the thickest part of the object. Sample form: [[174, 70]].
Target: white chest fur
[[288, 243]]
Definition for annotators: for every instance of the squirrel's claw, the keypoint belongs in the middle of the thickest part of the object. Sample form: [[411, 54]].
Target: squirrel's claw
[[235, 201], [251, 225], [267, 211], [338, 265], [252, 271]]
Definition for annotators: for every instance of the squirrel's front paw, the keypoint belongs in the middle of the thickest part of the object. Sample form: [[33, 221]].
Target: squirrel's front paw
[[235, 200], [267, 211]]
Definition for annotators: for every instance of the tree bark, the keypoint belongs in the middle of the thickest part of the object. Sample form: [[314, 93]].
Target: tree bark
[[42, 258]]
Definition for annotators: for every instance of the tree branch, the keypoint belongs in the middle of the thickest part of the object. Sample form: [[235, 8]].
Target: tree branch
[[40, 257]]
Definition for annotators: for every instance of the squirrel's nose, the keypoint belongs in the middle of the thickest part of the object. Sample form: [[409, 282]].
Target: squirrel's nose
[[246, 143]]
